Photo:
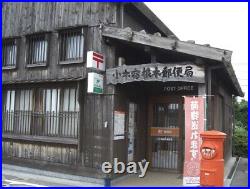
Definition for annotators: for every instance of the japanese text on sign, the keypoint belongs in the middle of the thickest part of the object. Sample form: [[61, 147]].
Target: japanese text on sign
[[194, 125], [156, 72]]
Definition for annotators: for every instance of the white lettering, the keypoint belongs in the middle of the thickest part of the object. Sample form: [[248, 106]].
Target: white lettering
[[143, 170], [116, 166], [106, 167], [131, 168], [120, 167]]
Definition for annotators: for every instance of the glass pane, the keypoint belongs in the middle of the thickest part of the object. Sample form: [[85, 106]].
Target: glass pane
[[40, 51]]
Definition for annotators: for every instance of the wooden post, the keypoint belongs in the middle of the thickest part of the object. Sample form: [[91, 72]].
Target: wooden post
[[208, 99]]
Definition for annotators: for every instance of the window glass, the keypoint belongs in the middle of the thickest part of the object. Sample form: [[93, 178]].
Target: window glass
[[9, 52], [41, 112], [37, 49], [71, 45]]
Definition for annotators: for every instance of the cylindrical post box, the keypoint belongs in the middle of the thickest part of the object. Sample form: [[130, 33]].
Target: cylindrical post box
[[212, 162]]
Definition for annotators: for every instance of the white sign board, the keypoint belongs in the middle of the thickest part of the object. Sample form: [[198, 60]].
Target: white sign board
[[119, 125], [95, 83], [95, 60]]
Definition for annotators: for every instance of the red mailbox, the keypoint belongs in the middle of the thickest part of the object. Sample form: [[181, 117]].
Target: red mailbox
[[212, 161]]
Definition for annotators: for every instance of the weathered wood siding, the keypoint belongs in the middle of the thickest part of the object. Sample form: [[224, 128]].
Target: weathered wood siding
[[64, 154], [222, 110], [20, 19], [26, 18]]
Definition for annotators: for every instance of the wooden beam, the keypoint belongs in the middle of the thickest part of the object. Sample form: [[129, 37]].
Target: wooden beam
[[127, 34], [45, 139], [202, 51], [233, 77]]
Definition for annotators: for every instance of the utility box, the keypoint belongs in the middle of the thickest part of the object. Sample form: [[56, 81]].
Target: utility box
[[212, 161]]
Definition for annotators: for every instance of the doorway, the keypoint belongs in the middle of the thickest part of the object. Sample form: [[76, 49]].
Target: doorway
[[165, 130]]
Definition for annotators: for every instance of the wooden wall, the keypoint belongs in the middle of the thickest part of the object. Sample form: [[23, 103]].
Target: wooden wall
[[222, 110], [26, 18], [126, 94], [20, 19], [64, 154]]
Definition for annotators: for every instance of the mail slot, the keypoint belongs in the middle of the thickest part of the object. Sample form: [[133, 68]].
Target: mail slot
[[212, 161]]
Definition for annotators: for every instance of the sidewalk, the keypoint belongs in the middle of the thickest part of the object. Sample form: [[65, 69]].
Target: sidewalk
[[13, 175], [240, 178]]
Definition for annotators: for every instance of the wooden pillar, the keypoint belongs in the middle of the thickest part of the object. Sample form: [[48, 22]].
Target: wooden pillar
[[202, 92], [209, 100]]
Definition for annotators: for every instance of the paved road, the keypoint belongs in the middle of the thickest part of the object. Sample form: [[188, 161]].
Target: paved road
[[12, 181], [18, 178], [241, 174]]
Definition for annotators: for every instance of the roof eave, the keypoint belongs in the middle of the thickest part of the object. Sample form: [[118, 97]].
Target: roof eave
[[143, 8]]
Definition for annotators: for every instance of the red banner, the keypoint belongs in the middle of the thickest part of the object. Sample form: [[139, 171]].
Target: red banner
[[194, 125]]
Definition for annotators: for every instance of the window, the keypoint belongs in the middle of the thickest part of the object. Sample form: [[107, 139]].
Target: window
[[50, 112], [23, 111], [9, 53], [37, 50], [69, 111], [71, 46], [8, 111]]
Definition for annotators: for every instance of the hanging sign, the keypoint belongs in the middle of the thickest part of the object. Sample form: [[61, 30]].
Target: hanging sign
[[95, 83], [194, 125], [182, 71], [95, 60]]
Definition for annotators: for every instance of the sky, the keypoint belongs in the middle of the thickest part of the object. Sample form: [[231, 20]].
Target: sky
[[222, 25]]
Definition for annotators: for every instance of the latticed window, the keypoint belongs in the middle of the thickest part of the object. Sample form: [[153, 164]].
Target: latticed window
[[9, 52], [50, 112], [71, 45], [37, 52]]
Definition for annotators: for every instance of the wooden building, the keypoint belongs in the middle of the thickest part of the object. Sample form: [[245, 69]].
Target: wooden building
[[50, 121]]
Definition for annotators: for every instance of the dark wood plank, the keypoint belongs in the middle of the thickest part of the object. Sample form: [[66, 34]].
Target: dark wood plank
[[56, 140], [167, 44]]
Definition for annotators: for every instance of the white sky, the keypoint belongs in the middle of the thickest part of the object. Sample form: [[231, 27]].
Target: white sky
[[222, 25]]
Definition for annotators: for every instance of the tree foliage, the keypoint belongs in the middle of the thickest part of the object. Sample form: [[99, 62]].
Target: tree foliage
[[241, 128], [241, 113], [240, 142]]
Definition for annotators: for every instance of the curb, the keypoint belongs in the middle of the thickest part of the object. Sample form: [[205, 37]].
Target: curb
[[228, 181]]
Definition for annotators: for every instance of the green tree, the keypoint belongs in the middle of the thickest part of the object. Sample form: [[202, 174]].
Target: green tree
[[240, 137], [241, 113], [240, 142]]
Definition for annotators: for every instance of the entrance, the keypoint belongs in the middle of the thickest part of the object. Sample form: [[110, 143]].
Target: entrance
[[165, 133]]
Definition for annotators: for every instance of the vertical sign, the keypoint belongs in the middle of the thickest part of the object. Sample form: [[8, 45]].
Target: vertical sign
[[194, 125], [95, 83], [131, 130], [95, 60], [119, 125]]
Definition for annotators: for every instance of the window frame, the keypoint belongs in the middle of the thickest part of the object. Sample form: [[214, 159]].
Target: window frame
[[72, 128], [59, 44], [28, 54], [17, 43]]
